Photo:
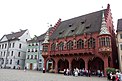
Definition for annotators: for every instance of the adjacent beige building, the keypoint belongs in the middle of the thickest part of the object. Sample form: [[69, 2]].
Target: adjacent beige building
[[119, 42]]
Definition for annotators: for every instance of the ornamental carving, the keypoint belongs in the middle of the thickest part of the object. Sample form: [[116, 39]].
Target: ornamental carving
[[105, 49]]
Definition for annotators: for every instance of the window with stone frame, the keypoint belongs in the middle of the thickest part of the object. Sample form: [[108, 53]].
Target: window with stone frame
[[20, 45], [18, 62], [35, 56], [31, 56], [120, 36], [18, 54], [107, 41], [35, 49], [29, 44], [80, 44], [102, 42], [121, 46], [61, 46], [28, 56], [13, 45], [53, 47], [70, 45], [10, 45], [32, 44], [2, 46], [1, 53], [11, 61], [36, 44], [5, 45], [91, 43], [11, 53], [28, 50], [4, 53], [45, 48], [32, 50]]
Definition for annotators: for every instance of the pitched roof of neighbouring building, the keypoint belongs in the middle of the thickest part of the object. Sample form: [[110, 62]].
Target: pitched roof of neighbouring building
[[79, 25], [15, 35], [37, 38], [119, 25]]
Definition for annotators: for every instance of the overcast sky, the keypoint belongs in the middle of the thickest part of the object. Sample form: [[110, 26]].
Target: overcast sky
[[35, 14]]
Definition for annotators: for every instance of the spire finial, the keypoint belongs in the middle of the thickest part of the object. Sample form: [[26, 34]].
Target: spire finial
[[104, 29]]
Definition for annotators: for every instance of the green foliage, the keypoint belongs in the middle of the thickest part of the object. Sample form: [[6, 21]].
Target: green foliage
[[108, 70]]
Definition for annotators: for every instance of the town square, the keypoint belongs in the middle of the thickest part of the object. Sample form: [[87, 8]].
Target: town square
[[21, 75]]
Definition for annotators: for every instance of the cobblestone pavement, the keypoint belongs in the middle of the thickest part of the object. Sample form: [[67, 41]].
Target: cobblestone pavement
[[20, 75]]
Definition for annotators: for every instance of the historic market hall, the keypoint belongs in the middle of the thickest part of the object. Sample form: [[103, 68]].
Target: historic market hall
[[84, 42]]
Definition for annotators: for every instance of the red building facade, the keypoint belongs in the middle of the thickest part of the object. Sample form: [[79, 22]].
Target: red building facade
[[84, 42]]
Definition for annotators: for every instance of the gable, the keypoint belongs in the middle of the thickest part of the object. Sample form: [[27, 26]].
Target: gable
[[4, 38]]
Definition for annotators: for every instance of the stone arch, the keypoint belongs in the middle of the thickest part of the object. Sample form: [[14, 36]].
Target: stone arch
[[50, 64], [78, 63], [95, 63], [63, 64]]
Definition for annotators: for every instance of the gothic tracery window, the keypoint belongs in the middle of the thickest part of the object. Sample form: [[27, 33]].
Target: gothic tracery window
[[69, 45], [45, 48], [108, 41], [91, 43], [53, 47], [61, 46], [104, 42], [80, 44]]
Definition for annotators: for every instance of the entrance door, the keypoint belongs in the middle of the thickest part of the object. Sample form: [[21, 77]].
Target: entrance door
[[31, 66]]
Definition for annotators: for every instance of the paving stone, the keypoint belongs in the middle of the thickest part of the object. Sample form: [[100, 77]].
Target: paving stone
[[20, 75]]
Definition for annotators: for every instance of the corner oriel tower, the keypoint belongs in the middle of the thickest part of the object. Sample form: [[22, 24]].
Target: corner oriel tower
[[104, 39], [45, 48]]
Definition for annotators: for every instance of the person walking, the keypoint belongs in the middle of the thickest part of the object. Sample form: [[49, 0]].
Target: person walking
[[120, 76], [43, 70], [25, 68]]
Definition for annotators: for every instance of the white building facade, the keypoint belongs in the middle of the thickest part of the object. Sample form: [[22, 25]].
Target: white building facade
[[13, 49]]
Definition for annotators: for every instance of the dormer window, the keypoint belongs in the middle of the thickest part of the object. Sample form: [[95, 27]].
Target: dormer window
[[82, 22], [70, 25], [61, 32], [72, 30], [87, 27], [13, 37]]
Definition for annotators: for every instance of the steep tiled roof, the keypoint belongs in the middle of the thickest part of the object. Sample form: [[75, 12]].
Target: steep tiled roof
[[38, 38], [119, 25], [83, 24], [15, 35]]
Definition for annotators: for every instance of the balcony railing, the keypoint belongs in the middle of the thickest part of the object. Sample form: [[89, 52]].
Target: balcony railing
[[105, 49]]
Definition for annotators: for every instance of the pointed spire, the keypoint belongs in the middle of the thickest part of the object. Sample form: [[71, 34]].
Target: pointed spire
[[46, 39], [104, 29]]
